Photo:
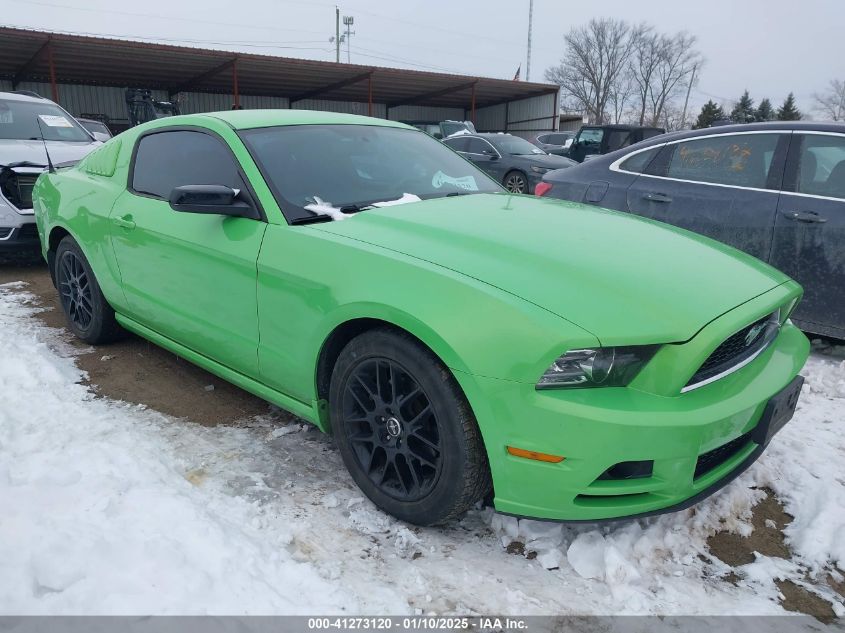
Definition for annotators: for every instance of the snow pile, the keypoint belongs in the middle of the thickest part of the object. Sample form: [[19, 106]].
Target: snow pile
[[100, 515], [109, 508], [321, 207]]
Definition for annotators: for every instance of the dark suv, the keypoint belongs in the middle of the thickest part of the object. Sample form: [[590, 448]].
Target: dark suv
[[595, 140], [28, 125]]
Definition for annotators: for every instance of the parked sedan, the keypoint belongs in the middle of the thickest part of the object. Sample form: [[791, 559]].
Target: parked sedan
[[455, 339], [556, 143], [774, 190], [510, 160]]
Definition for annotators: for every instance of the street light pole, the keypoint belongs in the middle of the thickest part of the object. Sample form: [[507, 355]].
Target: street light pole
[[530, 23], [337, 33]]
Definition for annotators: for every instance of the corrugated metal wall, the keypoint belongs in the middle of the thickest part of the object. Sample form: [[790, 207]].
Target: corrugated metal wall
[[425, 113], [524, 117], [193, 102]]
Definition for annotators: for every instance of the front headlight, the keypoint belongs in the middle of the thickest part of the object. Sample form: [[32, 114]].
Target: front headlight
[[539, 170], [598, 367]]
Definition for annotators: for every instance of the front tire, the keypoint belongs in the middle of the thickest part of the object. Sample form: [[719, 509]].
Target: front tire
[[88, 314], [516, 182], [405, 431]]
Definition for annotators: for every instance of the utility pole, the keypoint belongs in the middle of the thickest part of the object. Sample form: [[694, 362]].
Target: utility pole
[[337, 33], [689, 89], [348, 20], [530, 23]]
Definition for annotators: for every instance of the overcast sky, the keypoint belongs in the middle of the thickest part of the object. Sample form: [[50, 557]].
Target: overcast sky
[[770, 47]]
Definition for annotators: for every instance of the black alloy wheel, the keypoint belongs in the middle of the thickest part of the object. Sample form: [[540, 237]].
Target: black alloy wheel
[[392, 429], [75, 291], [405, 430], [89, 315]]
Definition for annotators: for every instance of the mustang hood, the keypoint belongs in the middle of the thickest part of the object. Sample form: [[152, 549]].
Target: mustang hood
[[622, 278]]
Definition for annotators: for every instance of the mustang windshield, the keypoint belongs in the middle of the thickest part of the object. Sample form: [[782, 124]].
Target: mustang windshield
[[349, 166]]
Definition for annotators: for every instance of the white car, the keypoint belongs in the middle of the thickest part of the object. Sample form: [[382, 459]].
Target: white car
[[30, 126]]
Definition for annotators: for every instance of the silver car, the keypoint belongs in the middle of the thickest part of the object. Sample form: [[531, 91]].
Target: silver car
[[29, 127]]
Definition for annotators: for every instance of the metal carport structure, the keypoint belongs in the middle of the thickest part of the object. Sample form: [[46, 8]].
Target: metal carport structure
[[64, 61]]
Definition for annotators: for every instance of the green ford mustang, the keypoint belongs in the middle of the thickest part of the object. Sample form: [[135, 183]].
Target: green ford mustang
[[458, 341]]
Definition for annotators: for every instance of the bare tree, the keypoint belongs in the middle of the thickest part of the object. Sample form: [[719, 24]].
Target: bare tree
[[831, 103], [645, 58], [595, 57], [676, 59]]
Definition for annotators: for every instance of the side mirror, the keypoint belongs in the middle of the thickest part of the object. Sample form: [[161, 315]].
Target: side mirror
[[101, 136], [211, 199]]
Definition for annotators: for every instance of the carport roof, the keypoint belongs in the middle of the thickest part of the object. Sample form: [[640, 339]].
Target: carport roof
[[25, 55]]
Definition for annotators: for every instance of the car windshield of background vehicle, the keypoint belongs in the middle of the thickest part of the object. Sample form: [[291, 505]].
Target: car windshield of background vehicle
[[514, 145], [821, 171], [737, 160], [356, 165], [19, 121]]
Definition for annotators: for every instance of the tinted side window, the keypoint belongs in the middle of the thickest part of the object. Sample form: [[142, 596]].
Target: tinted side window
[[821, 167], [477, 146], [545, 138], [739, 160], [591, 135], [459, 144], [638, 162], [171, 159]]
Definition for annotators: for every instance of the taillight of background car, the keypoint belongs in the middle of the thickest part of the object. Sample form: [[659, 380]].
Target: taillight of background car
[[542, 188]]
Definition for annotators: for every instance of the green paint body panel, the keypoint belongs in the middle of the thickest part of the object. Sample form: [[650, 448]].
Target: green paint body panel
[[496, 285]]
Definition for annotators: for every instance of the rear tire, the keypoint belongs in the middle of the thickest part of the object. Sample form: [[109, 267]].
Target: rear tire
[[88, 314], [405, 431]]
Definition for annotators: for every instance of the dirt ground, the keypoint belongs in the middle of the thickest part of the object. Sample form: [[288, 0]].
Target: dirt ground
[[136, 371]]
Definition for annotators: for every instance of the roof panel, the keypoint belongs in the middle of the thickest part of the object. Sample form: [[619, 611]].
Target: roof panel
[[116, 62]]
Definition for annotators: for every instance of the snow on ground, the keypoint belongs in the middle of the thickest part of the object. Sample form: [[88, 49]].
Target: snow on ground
[[112, 508]]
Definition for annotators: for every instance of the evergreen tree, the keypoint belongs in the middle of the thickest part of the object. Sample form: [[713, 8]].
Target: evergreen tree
[[788, 111], [765, 111], [743, 111], [710, 112]]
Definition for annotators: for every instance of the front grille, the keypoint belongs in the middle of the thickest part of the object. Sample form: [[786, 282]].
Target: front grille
[[718, 456], [5, 232], [737, 348], [17, 188], [28, 232]]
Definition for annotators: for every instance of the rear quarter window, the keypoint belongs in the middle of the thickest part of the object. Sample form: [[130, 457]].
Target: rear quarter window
[[639, 162]]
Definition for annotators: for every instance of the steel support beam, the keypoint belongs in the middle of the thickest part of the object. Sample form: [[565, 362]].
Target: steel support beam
[[235, 92], [202, 77], [22, 72], [427, 96], [53, 85], [370, 95], [538, 93], [316, 92]]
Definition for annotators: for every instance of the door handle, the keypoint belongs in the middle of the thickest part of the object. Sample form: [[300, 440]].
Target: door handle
[[125, 222], [805, 216], [657, 197]]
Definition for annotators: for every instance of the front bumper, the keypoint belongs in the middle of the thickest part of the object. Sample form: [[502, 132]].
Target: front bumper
[[596, 429], [18, 233]]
